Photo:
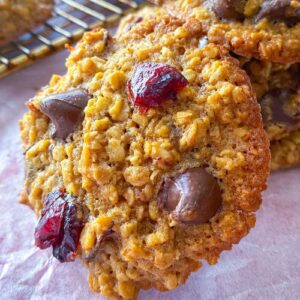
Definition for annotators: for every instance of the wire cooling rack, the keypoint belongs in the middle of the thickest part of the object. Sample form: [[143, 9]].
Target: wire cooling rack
[[71, 18]]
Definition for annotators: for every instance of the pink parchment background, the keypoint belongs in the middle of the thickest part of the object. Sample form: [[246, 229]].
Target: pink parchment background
[[265, 265]]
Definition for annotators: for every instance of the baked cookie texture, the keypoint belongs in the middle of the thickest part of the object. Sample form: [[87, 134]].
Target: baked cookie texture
[[266, 76], [277, 88], [286, 152], [267, 30], [20, 16], [164, 185], [129, 21], [278, 91]]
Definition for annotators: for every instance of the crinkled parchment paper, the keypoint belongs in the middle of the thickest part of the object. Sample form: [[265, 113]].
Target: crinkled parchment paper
[[265, 265]]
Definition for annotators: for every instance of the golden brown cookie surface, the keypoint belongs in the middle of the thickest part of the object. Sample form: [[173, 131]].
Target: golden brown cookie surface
[[267, 30], [163, 145], [278, 91], [277, 88], [128, 22], [286, 151]]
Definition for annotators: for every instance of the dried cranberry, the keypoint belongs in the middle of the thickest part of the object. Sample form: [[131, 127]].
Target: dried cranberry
[[65, 250], [50, 224], [60, 225], [153, 83], [51, 198]]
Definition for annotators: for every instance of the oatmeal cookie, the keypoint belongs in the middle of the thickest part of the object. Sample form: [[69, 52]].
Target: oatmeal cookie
[[149, 153], [18, 17], [267, 76], [264, 29], [286, 152], [278, 91], [129, 21], [277, 88]]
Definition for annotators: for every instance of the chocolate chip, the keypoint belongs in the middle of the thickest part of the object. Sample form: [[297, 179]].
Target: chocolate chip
[[279, 10], [65, 111], [109, 234], [227, 9], [275, 108], [193, 197]]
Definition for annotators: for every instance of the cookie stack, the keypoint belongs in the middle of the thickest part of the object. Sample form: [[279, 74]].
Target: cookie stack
[[265, 37], [149, 155]]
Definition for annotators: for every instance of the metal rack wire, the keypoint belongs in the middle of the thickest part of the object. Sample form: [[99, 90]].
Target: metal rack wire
[[71, 18]]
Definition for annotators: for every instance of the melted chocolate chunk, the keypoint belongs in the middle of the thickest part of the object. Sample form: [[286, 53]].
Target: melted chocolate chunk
[[193, 197], [279, 10], [227, 9], [274, 108], [109, 234], [65, 111]]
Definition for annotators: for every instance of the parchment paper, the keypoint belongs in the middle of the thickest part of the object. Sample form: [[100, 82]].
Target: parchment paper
[[265, 265]]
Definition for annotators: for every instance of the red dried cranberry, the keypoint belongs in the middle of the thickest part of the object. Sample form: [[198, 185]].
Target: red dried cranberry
[[47, 231], [153, 83], [60, 225], [51, 198], [65, 250]]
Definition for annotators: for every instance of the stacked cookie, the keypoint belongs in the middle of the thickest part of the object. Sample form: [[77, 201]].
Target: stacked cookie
[[18, 17], [265, 37], [149, 155], [277, 89]]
